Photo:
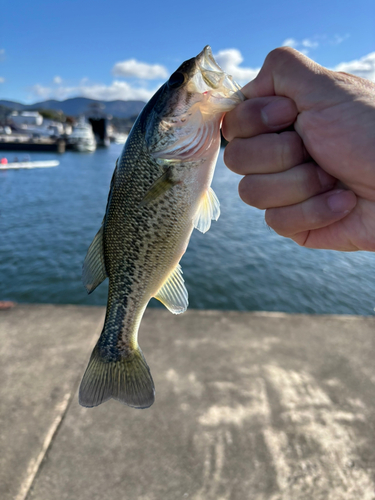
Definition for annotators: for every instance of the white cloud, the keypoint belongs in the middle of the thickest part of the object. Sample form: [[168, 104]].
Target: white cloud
[[135, 69], [314, 42], [2, 79], [363, 67], [303, 45], [230, 60], [116, 90], [309, 43], [337, 39], [40, 91], [290, 42]]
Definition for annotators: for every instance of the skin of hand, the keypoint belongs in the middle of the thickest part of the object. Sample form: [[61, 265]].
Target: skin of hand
[[305, 142]]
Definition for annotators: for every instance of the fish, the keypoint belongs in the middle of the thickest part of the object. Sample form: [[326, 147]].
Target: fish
[[160, 191]]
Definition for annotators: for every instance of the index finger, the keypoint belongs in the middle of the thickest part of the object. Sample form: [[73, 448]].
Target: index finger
[[286, 72], [259, 116]]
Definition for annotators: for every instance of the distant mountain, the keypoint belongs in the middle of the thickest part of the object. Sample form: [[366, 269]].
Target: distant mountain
[[4, 112], [80, 105]]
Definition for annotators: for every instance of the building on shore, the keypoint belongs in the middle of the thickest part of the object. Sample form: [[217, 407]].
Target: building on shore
[[33, 123]]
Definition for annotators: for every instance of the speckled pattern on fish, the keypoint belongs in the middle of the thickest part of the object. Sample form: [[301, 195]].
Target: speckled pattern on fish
[[159, 192]]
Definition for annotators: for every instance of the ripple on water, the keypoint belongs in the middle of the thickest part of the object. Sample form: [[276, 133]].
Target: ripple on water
[[48, 218]]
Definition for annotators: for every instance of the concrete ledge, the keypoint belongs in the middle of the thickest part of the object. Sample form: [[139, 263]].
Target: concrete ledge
[[260, 406], [43, 350]]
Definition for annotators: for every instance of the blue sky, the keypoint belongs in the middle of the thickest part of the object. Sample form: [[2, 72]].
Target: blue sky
[[112, 49]]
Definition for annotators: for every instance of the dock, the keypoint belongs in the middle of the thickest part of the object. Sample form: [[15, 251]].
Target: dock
[[249, 406], [25, 143]]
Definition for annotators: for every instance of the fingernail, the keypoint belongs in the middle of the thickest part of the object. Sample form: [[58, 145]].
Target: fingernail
[[279, 112], [342, 201]]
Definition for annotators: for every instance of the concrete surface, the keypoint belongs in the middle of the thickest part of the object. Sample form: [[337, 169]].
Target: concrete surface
[[42, 351], [260, 406]]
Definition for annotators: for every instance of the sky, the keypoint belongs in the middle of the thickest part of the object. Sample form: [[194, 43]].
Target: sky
[[126, 49]]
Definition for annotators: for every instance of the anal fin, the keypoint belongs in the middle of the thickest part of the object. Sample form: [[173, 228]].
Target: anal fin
[[173, 293]]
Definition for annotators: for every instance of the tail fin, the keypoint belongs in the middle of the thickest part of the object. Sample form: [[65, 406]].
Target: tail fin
[[127, 380]]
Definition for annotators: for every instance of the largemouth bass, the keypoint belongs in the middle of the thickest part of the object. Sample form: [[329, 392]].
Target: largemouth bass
[[160, 191]]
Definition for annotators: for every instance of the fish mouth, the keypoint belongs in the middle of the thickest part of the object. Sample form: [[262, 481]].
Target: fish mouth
[[190, 119], [209, 69], [206, 61], [213, 75]]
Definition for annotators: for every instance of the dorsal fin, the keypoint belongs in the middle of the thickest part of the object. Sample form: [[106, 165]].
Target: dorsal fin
[[94, 271], [173, 293], [209, 209]]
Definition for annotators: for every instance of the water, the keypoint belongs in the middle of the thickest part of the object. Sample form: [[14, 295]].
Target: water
[[48, 218]]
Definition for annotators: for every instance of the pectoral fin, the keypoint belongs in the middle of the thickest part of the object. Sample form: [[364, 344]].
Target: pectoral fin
[[160, 186], [94, 271], [173, 293], [209, 209]]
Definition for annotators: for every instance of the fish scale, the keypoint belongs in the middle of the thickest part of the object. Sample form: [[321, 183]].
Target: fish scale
[[159, 191]]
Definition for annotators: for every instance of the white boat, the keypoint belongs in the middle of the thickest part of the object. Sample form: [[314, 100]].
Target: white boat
[[29, 164], [120, 138], [82, 138]]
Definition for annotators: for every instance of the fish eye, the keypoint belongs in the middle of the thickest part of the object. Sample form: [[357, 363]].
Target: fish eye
[[176, 80]]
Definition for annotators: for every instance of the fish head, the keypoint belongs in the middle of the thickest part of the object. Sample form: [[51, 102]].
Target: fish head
[[183, 118]]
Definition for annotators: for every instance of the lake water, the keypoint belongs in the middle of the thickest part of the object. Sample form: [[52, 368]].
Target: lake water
[[48, 218]]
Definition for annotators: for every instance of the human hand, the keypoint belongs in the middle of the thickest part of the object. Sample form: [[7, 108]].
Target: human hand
[[316, 181]]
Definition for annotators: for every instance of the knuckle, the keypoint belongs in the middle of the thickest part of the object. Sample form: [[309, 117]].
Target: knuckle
[[244, 191], [231, 155], [278, 220], [228, 155], [243, 114], [237, 120], [259, 203], [301, 238], [324, 181], [290, 150], [250, 193], [281, 54], [309, 217], [313, 183], [272, 220], [284, 152], [310, 184], [226, 128]]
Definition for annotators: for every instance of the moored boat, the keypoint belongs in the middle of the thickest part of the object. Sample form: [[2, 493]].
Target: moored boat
[[82, 138], [29, 164]]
